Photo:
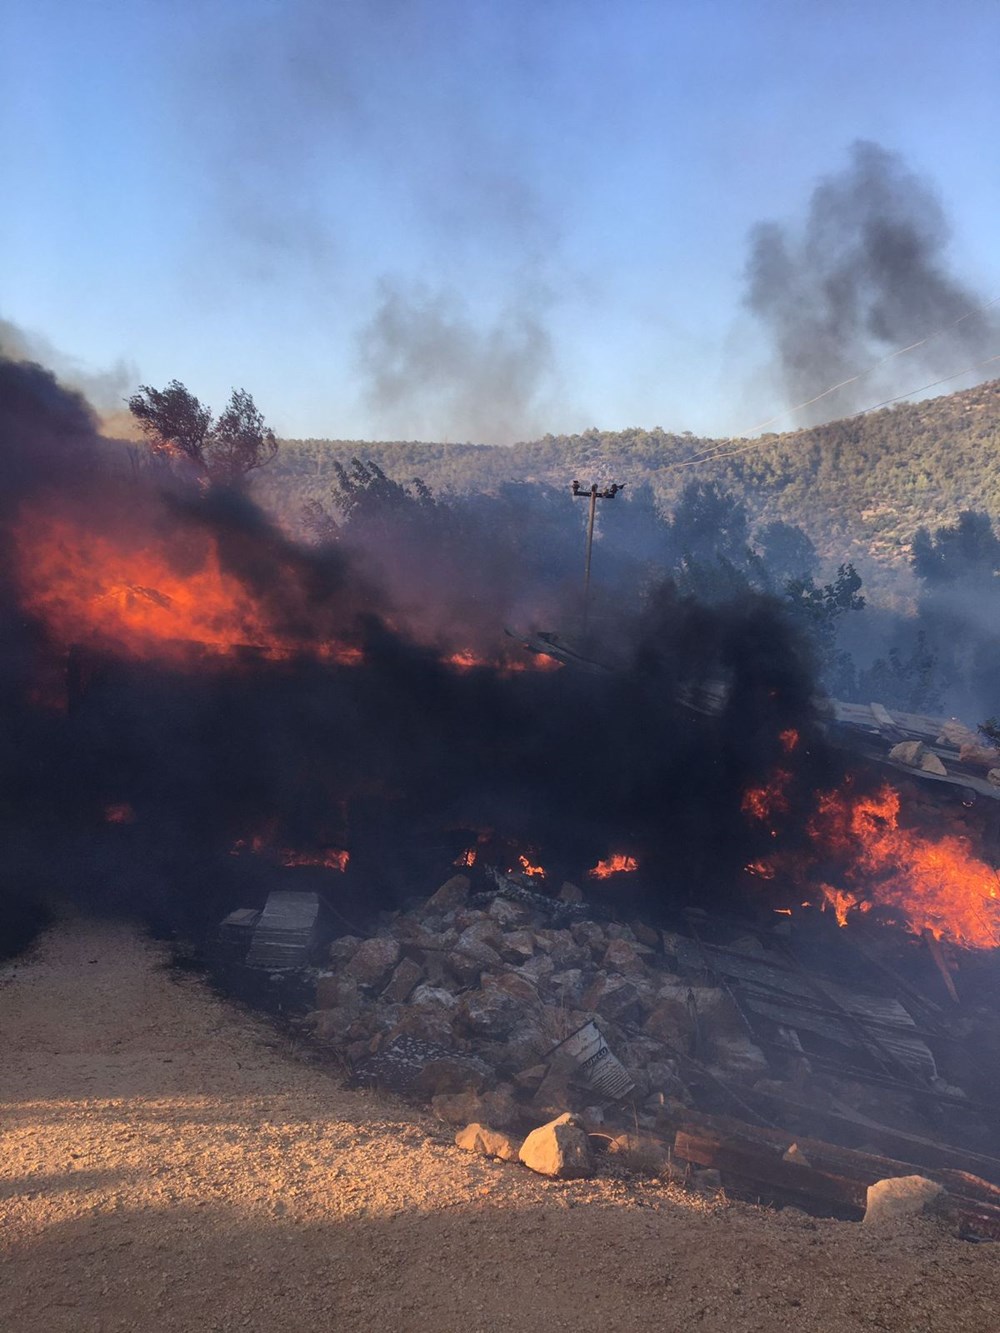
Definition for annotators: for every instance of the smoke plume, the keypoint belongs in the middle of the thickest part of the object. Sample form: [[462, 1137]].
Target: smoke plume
[[867, 272], [178, 679], [431, 369]]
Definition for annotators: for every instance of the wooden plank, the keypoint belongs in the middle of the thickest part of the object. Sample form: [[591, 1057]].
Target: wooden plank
[[766, 1167], [850, 1163], [896, 1142], [760, 1167]]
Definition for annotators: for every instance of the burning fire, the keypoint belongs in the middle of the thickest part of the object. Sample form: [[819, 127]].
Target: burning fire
[[764, 803], [332, 858], [146, 601], [931, 885], [528, 869], [618, 864], [466, 858]]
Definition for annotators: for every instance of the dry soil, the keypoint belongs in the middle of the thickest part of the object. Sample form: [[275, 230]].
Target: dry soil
[[170, 1162]]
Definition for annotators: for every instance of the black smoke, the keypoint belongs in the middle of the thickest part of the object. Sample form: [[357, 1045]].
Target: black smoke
[[395, 758], [866, 273]]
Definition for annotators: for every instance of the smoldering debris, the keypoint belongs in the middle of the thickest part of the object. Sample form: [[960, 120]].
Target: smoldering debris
[[174, 653]]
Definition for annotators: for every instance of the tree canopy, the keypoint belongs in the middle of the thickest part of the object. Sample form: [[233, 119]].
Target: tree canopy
[[178, 426]]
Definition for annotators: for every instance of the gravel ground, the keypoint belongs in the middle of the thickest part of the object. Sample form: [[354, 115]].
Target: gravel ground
[[170, 1163]]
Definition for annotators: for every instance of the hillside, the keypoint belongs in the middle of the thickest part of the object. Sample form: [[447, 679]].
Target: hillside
[[860, 487]]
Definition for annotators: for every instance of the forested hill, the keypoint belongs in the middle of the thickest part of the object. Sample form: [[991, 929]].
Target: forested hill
[[860, 487]]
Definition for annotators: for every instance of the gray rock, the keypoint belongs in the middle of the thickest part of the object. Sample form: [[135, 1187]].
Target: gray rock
[[487, 1142], [908, 752], [509, 915], [452, 894], [407, 976], [615, 998], [470, 958], [516, 946], [492, 1013], [622, 956], [373, 962], [343, 949], [494, 1107], [559, 1149], [590, 936]]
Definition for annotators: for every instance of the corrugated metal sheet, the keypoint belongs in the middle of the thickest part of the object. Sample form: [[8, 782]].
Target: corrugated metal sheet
[[285, 932]]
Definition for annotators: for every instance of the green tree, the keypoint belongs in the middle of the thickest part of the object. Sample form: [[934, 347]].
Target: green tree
[[178, 426]]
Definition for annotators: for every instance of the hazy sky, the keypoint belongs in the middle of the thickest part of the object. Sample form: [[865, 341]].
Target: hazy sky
[[457, 219]]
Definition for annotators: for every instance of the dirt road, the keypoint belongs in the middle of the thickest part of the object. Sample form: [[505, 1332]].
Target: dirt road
[[168, 1163]]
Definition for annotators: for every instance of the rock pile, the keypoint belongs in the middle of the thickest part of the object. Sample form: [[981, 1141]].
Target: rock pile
[[472, 995]]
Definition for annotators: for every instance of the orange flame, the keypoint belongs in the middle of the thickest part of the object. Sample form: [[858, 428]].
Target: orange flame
[[528, 869], [333, 858], [761, 869], [141, 600], [929, 885], [789, 740], [764, 802], [466, 858], [618, 864]]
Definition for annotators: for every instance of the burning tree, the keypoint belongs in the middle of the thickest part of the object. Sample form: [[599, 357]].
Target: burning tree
[[177, 425]]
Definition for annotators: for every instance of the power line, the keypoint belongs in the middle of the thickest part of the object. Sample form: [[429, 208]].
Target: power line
[[724, 451]]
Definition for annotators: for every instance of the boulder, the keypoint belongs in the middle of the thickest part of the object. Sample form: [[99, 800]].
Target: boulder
[[516, 946], [569, 893], [908, 752], [492, 1013], [559, 1149], [374, 962], [536, 969], [646, 935], [334, 991], [526, 1044], [519, 987], [343, 949], [495, 1107], [891, 1200], [642, 1153], [590, 936], [568, 986], [614, 997], [486, 1141], [470, 958], [930, 763], [452, 894], [452, 1073], [667, 1023], [622, 956], [404, 980], [564, 950], [509, 915]]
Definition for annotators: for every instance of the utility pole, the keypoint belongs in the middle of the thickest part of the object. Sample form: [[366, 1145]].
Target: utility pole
[[593, 495]]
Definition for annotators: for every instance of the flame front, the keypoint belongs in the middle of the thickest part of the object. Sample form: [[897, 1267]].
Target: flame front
[[618, 864], [936, 885], [147, 601]]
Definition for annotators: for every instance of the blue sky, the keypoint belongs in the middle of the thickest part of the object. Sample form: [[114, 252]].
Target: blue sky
[[455, 219]]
